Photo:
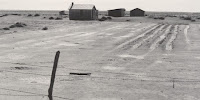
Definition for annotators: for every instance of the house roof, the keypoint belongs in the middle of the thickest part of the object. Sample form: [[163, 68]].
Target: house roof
[[82, 6], [138, 9]]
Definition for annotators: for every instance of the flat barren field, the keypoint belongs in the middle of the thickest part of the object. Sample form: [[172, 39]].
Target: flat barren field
[[136, 60]]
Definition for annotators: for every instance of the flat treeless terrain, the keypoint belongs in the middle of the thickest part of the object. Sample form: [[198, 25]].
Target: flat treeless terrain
[[136, 60]]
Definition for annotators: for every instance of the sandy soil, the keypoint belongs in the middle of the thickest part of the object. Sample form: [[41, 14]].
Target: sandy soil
[[127, 60]]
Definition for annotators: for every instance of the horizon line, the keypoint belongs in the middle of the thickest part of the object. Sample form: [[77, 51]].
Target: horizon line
[[99, 10]]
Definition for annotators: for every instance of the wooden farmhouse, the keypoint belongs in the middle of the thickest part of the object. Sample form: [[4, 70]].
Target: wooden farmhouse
[[83, 12], [117, 12], [137, 13]]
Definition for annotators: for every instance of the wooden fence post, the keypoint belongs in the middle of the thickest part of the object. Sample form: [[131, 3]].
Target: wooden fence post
[[173, 82], [50, 91]]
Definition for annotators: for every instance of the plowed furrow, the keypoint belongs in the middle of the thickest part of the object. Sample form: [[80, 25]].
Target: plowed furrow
[[128, 44], [161, 38], [169, 44]]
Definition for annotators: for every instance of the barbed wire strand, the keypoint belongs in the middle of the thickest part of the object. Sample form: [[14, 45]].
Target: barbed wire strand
[[114, 78], [33, 94], [132, 74]]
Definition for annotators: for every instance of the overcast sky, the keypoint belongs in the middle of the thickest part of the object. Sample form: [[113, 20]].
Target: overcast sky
[[148, 5]]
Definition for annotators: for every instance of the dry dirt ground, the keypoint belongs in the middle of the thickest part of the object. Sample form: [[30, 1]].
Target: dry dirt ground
[[142, 60]]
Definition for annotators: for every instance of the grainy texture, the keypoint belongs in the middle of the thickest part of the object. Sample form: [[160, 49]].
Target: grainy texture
[[128, 60]]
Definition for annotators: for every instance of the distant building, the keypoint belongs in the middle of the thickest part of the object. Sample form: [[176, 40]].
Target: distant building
[[83, 12], [117, 12], [62, 13], [137, 12]]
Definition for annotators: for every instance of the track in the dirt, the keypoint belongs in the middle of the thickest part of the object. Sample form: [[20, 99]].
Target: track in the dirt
[[160, 35], [169, 44]]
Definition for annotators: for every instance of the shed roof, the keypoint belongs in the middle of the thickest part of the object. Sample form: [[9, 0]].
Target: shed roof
[[118, 9], [138, 9], [82, 6]]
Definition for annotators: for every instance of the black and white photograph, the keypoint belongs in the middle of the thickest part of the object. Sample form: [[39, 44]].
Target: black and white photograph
[[99, 49]]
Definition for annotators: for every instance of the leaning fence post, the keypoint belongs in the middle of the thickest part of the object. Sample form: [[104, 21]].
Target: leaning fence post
[[173, 82], [50, 91]]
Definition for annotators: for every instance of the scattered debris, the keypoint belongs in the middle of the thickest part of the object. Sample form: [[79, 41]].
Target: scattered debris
[[36, 15], [104, 18], [45, 28], [58, 18], [6, 28], [84, 74], [20, 68], [16, 14], [101, 20], [33, 82], [185, 17], [20, 63], [62, 13], [188, 18], [4, 15], [65, 16], [161, 18], [29, 15], [51, 18], [171, 16], [18, 24], [128, 20], [193, 20], [109, 18], [12, 26]]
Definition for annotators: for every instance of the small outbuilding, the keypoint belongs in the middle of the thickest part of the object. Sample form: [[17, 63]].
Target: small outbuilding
[[117, 12], [137, 13], [83, 12]]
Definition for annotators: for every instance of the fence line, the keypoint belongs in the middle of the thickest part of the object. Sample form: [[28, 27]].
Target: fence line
[[129, 74], [33, 94], [124, 79]]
